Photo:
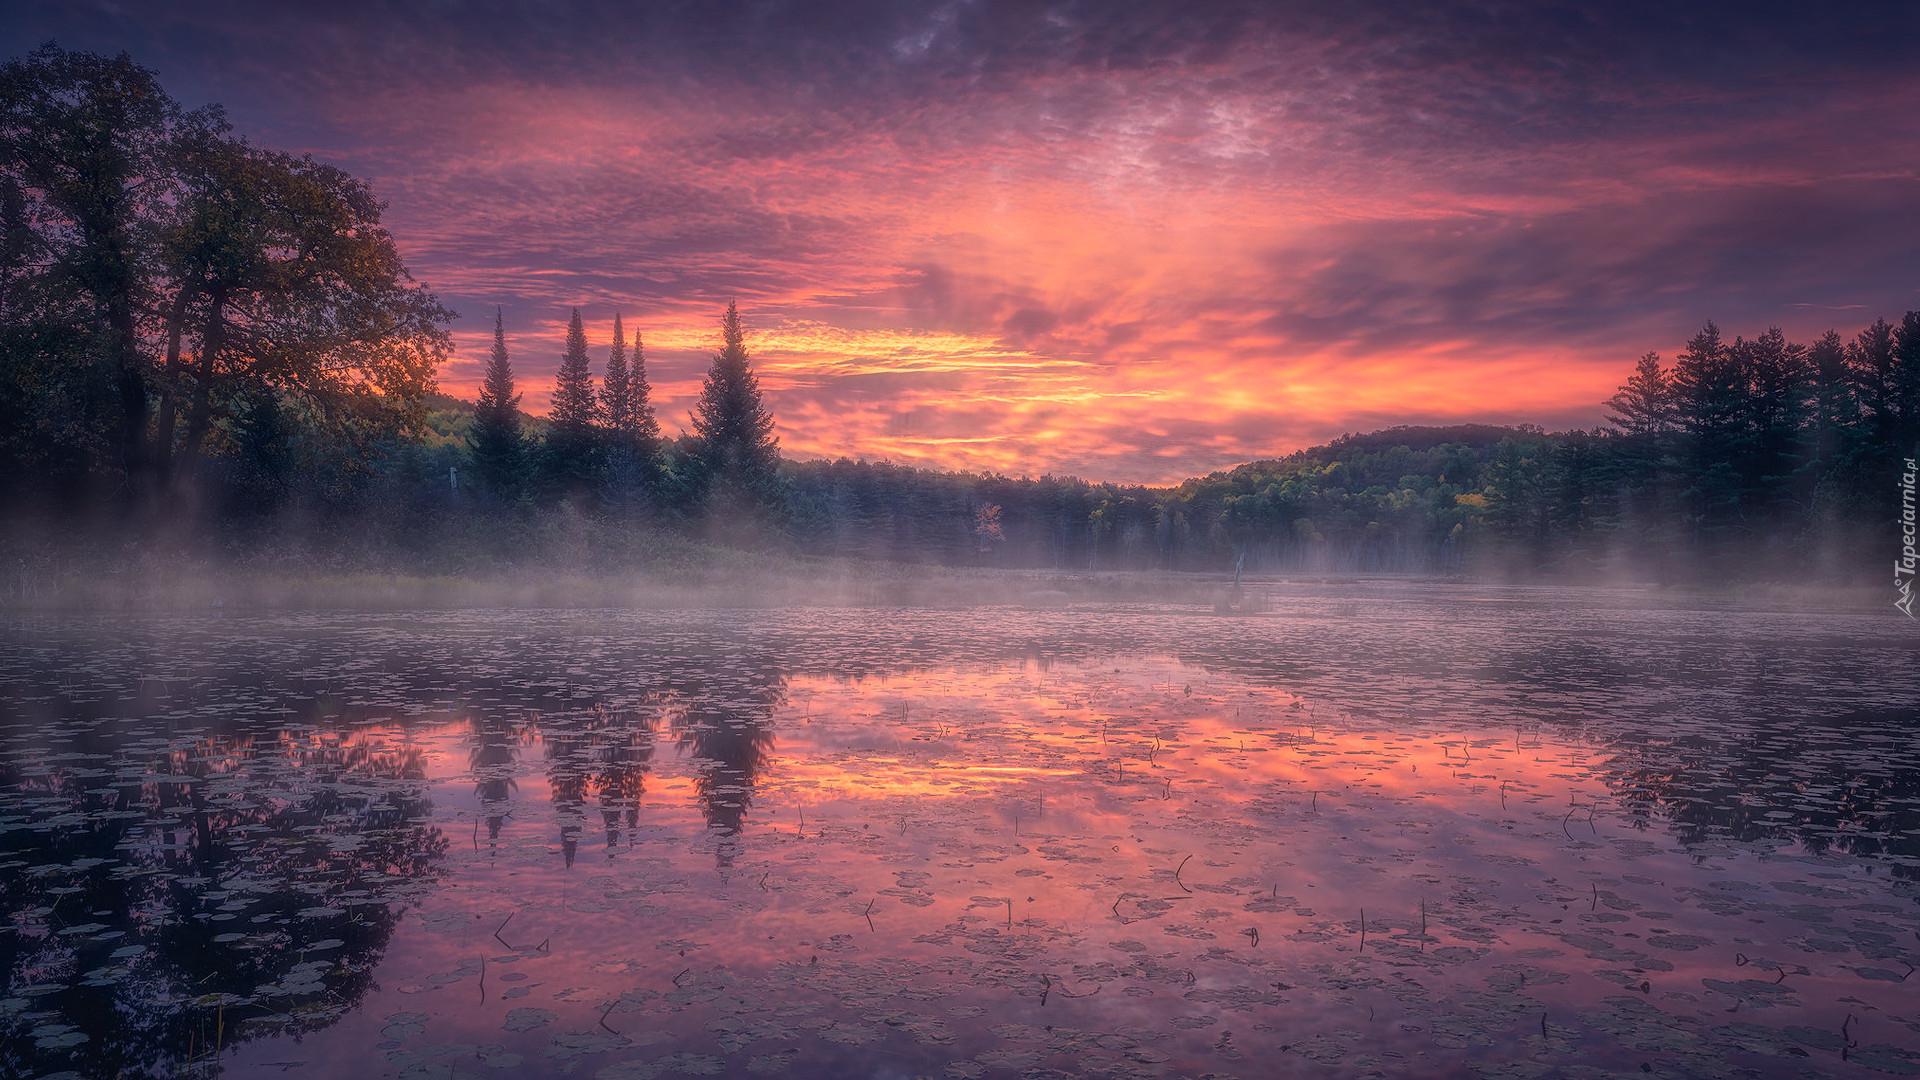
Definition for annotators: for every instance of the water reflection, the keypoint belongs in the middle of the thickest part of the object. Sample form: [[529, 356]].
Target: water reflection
[[603, 755], [1848, 784], [173, 898], [1122, 843], [730, 741], [495, 748]]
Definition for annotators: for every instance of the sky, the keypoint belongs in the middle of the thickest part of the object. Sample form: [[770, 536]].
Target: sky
[[1129, 240]]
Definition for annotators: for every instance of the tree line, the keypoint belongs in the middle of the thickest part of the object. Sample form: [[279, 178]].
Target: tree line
[[601, 450], [201, 338], [197, 332]]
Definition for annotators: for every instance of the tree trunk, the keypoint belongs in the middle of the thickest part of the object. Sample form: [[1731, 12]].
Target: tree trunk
[[163, 435], [200, 415]]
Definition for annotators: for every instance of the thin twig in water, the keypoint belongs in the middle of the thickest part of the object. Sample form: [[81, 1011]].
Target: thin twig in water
[[503, 926], [1176, 875]]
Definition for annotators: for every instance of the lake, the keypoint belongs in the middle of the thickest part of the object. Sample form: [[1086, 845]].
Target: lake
[[1348, 831]]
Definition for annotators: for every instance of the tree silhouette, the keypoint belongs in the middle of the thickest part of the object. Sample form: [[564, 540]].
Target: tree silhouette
[[574, 448], [633, 435], [733, 456], [1644, 406], [499, 454], [283, 279], [616, 391], [85, 151], [646, 429]]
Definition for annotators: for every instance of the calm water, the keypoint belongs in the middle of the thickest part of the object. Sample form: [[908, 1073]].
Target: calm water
[[1444, 831]]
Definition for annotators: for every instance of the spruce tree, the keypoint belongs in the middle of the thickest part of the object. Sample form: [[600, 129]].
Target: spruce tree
[[1712, 394], [733, 456], [646, 429], [574, 410], [626, 398], [573, 450], [1834, 408], [1644, 405], [616, 393], [632, 469], [499, 455], [1772, 460]]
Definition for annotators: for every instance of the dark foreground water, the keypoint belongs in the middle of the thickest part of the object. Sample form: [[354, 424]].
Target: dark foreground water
[[1432, 832]]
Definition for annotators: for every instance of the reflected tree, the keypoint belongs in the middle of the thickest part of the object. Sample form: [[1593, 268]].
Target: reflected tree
[[184, 900], [606, 754], [728, 731], [491, 760]]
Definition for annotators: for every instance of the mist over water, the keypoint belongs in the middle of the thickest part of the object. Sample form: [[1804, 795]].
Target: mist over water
[[1337, 830]]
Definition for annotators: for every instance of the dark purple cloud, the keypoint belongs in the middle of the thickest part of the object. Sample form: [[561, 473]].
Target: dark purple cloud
[[1130, 239]]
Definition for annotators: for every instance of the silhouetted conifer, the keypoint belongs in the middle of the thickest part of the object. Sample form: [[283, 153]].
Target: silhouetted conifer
[[1644, 406], [733, 456], [494, 442], [574, 447], [646, 429], [574, 411], [616, 395], [633, 465]]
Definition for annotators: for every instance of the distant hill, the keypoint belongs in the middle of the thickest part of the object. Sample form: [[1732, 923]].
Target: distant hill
[[1415, 437], [450, 418]]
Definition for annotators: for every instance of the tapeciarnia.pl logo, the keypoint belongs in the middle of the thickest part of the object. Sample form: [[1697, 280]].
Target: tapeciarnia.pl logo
[[1903, 566]]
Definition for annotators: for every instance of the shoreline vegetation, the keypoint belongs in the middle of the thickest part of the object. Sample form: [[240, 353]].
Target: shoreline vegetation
[[217, 374]]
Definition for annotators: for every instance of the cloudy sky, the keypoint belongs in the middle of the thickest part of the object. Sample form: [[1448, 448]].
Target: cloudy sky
[[1124, 240]]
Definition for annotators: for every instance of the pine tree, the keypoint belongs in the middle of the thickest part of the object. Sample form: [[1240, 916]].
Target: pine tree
[[646, 429], [1903, 385], [1772, 462], [499, 455], [1884, 363], [1712, 396], [616, 390], [733, 455], [1644, 405], [574, 412], [633, 466], [1834, 409], [574, 448], [625, 401]]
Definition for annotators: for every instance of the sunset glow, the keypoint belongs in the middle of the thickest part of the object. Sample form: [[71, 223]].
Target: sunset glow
[[1111, 241]]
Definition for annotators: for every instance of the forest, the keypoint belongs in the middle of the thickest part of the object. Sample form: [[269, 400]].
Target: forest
[[214, 350]]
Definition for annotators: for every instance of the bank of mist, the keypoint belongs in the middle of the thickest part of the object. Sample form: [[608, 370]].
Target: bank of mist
[[278, 514], [415, 527], [217, 380]]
